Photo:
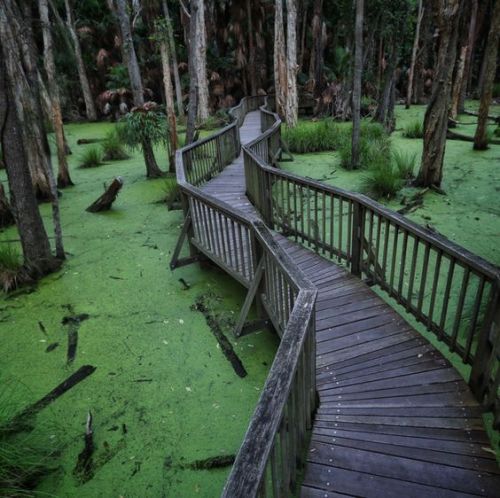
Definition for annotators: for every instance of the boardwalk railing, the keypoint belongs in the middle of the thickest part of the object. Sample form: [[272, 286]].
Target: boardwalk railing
[[453, 292], [275, 443]]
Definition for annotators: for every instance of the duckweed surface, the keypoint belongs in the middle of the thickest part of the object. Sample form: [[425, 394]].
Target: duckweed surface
[[163, 394]]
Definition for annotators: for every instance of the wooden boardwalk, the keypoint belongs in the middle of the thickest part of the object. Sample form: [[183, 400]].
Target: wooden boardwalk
[[395, 418]]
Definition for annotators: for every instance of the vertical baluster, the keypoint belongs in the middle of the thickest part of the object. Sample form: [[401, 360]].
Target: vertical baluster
[[423, 278], [341, 221], [393, 263], [460, 308], [473, 323], [302, 215], [323, 222], [403, 264], [332, 214], [285, 470], [242, 251], [386, 249], [295, 213], [416, 243], [275, 464], [377, 249], [437, 270], [446, 298]]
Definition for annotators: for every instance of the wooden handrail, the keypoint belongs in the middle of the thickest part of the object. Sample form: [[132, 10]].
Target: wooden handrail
[[289, 392]]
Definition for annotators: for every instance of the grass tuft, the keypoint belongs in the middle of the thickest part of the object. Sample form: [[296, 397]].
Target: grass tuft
[[113, 148], [11, 271], [91, 158], [172, 193], [317, 136], [405, 163], [414, 129]]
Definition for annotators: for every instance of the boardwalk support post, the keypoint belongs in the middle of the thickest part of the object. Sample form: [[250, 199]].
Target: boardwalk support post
[[242, 328], [357, 234], [175, 262]]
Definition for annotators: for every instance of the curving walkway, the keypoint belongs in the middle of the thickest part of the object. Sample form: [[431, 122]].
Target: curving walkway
[[394, 418]]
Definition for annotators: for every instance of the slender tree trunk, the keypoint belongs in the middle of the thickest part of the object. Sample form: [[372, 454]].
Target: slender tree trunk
[[316, 59], [80, 66], [384, 114], [38, 258], [457, 83], [356, 87], [193, 74], [130, 57], [471, 38], [414, 51], [169, 101], [303, 38], [201, 61], [436, 116], [63, 177], [173, 53], [490, 65], [280, 68], [292, 100], [251, 50]]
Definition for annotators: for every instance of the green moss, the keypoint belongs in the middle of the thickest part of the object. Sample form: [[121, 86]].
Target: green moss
[[159, 369]]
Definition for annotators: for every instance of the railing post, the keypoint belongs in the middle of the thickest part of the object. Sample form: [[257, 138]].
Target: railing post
[[488, 344], [357, 239]]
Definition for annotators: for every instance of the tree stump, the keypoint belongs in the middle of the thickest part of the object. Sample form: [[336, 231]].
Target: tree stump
[[106, 200]]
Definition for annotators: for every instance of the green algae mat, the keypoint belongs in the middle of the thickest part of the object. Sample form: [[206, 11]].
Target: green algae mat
[[163, 397]]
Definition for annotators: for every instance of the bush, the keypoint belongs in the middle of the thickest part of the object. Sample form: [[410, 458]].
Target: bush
[[309, 136], [415, 129], [405, 163], [10, 267], [374, 146], [383, 179], [91, 158], [172, 193], [113, 148]]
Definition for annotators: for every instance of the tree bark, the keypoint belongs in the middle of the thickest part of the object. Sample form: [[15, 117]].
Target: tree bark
[[471, 38], [457, 83], [175, 66], [280, 69], [316, 59], [193, 75], [37, 255], [251, 50], [292, 100], [130, 57], [384, 113], [63, 177], [201, 60], [356, 87], [6, 215], [490, 64], [436, 116], [411, 72], [82, 72], [105, 201], [169, 100]]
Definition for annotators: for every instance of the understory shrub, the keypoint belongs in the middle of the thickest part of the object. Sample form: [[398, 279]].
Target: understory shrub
[[172, 193], [113, 148], [91, 157], [10, 267], [414, 129], [314, 136], [386, 176], [374, 146]]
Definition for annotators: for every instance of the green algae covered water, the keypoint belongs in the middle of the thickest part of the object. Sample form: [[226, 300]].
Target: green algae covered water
[[163, 395]]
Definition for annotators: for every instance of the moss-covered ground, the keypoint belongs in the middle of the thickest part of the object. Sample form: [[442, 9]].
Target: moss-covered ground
[[163, 395], [468, 213]]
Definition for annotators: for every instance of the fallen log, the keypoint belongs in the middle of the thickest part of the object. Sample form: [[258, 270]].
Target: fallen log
[[106, 200], [452, 135], [84, 465], [493, 118]]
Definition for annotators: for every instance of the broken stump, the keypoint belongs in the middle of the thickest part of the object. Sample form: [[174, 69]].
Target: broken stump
[[106, 200]]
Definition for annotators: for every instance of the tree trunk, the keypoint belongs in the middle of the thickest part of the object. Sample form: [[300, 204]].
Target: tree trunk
[[82, 73], [292, 100], [316, 59], [173, 53], [303, 38], [193, 75], [251, 50], [471, 38], [384, 114], [436, 116], [169, 101], [201, 61], [6, 215], [490, 64], [38, 259], [130, 57], [411, 72], [280, 69], [356, 87], [63, 177], [457, 83]]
